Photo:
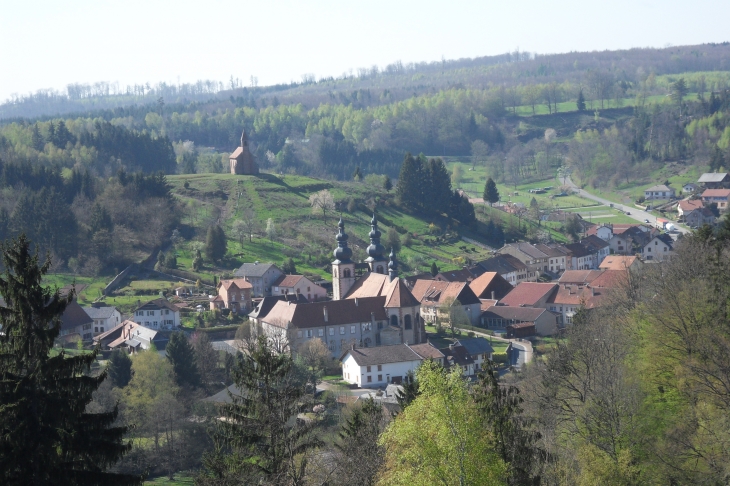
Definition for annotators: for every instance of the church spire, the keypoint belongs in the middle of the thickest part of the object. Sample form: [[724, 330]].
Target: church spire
[[342, 253], [375, 250], [392, 266]]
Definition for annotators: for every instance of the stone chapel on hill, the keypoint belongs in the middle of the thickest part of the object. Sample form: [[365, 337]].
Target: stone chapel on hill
[[241, 160]]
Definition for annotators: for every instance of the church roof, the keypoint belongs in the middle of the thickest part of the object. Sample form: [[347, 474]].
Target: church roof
[[398, 295], [373, 284], [236, 153]]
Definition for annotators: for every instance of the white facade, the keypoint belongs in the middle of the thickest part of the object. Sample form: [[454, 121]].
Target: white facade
[[375, 375], [103, 325], [160, 318], [657, 250]]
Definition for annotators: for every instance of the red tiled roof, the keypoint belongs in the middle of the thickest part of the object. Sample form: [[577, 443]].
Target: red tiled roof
[[427, 351], [589, 297], [238, 282], [519, 314], [579, 276], [716, 193], [347, 311], [287, 280], [528, 293], [487, 282], [617, 262], [690, 204], [611, 279], [435, 292], [398, 295]]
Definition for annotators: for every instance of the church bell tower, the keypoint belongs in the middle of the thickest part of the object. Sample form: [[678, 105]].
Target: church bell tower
[[343, 268]]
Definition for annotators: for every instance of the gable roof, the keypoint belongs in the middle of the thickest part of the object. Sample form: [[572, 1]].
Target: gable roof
[[104, 312], [238, 282], [369, 285], [435, 292], [502, 264], [158, 304], [427, 351], [713, 177], [457, 356], [127, 331], [578, 250], [378, 285], [74, 316], [658, 188], [288, 315], [526, 248], [587, 296], [716, 193], [516, 314], [690, 204], [529, 293], [579, 276], [612, 279], [617, 262], [396, 353], [594, 242], [476, 345], [264, 306], [397, 295], [288, 280], [489, 282], [463, 275], [254, 269]]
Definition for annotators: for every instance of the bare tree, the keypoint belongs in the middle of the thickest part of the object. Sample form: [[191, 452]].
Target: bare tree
[[250, 222], [479, 152], [322, 202]]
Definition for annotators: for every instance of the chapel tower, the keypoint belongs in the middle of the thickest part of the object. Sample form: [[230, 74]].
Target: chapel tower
[[343, 268]]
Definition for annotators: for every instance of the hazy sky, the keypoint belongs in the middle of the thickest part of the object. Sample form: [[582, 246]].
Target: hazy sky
[[50, 43]]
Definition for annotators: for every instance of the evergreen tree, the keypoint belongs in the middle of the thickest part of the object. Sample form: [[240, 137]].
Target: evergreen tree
[[100, 219], [357, 175], [387, 184], [410, 390], [359, 454], [46, 437], [182, 357], [264, 447], [408, 189], [36, 138], [119, 368], [215, 243], [581, 103], [438, 187], [491, 194], [434, 269]]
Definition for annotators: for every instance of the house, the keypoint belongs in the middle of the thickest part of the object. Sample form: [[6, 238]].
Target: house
[[659, 192], [659, 248], [530, 294], [261, 276], [598, 248], [132, 337], [579, 277], [535, 259], [716, 180], [233, 294], [105, 317], [463, 275], [581, 257], [241, 160], [433, 295], [456, 356], [158, 314], [501, 317], [377, 367], [490, 285], [478, 349], [568, 299], [690, 188], [618, 262], [716, 196], [631, 240], [558, 257], [298, 284], [75, 320], [699, 217], [509, 267], [688, 205], [603, 231]]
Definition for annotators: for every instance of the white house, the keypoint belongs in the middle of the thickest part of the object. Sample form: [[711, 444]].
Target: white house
[[659, 192], [105, 317], [659, 248], [158, 314], [377, 367], [298, 284]]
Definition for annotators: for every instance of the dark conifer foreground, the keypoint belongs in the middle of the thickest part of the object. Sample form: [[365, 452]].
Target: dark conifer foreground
[[45, 435]]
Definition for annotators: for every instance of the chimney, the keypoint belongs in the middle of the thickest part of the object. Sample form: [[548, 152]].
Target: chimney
[[593, 291], [326, 315], [356, 302], [493, 295], [352, 346]]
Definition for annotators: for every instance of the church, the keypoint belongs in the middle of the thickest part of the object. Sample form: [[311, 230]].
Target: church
[[241, 160], [374, 308]]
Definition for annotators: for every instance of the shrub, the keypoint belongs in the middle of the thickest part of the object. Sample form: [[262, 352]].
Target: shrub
[[499, 358]]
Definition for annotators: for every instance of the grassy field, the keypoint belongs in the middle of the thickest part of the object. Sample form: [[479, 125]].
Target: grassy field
[[570, 106], [181, 479]]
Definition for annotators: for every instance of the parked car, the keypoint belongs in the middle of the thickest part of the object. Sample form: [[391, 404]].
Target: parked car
[[646, 220], [628, 213]]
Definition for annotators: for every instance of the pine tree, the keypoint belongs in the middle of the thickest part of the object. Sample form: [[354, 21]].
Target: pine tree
[[359, 455], [182, 357], [491, 194], [581, 103], [408, 190], [434, 269], [265, 449], [215, 243], [119, 368], [387, 183], [45, 435]]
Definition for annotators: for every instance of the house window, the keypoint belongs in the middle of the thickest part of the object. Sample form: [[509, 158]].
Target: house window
[[380, 325], [380, 367], [299, 334], [309, 333], [321, 332], [308, 289], [352, 329], [407, 321], [167, 312], [96, 329], [368, 369], [346, 272], [332, 331], [370, 379], [366, 326], [342, 329], [380, 377]]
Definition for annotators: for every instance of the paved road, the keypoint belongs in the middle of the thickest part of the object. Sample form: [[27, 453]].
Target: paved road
[[636, 213]]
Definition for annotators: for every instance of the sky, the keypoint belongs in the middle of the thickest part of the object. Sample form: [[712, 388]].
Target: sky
[[51, 43]]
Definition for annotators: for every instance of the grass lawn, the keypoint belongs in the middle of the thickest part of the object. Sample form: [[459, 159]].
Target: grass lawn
[[181, 478]]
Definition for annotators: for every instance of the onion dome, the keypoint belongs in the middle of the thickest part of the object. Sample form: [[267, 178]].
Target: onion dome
[[392, 265], [375, 250], [342, 252]]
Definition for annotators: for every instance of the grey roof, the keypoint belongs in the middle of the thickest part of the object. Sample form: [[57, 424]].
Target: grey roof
[[502, 264], [579, 250], [158, 304], [477, 345], [396, 353], [713, 177], [224, 396], [254, 269], [100, 312], [74, 316], [660, 187]]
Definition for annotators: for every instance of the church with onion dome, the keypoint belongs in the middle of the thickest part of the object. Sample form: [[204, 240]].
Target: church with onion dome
[[374, 308]]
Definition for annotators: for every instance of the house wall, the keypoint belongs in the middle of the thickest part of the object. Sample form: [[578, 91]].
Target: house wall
[[158, 318], [657, 250], [261, 286], [305, 287], [103, 325], [546, 324], [239, 300], [356, 374]]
